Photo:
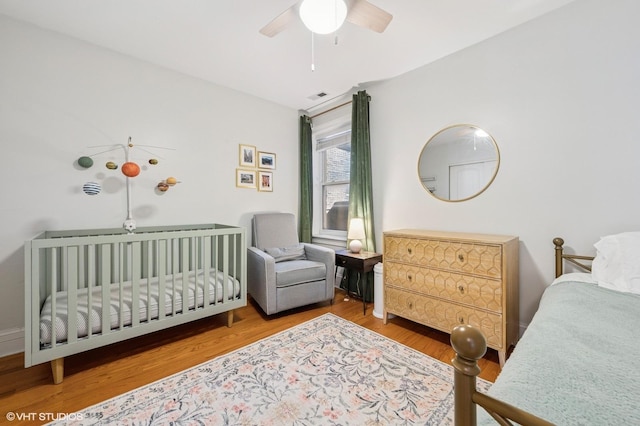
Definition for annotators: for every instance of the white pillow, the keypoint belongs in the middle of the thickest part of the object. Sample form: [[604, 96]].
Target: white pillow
[[617, 262]]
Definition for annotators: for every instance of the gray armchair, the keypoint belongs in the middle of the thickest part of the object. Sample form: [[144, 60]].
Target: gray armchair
[[283, 273]]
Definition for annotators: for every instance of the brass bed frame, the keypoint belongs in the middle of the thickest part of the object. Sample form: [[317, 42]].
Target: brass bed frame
[[470, 345]]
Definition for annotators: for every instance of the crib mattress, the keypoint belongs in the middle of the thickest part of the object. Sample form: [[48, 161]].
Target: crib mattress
[[121, 313]]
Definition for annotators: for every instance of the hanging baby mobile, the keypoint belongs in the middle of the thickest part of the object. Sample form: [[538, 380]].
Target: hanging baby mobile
[[130, 169]]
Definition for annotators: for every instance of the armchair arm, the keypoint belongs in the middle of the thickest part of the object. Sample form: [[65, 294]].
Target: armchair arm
[[261, 279], [326, 256]]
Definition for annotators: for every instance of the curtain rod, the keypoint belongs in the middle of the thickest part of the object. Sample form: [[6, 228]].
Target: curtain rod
[[330, 109]]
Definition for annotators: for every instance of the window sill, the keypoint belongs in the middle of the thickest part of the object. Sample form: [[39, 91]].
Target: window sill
[[332, 241]]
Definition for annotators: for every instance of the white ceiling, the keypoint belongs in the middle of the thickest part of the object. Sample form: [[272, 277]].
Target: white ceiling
[[218, 40]]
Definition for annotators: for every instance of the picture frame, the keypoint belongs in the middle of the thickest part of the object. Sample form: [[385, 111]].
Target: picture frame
[[265, 181], [246, 178], [247, 156], [266, 160]]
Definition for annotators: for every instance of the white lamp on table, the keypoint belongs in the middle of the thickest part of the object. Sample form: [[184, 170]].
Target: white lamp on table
[[356, 234]]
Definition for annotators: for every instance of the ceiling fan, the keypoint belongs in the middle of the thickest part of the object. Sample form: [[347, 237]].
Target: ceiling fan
[[358, 12]]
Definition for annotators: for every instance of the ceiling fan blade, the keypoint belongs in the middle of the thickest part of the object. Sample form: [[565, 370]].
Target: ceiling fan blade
[[367, 15], [280, 22]]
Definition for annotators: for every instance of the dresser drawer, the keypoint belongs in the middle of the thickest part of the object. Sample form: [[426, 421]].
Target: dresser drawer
[[471, 258], [476, 292], [443, 315]]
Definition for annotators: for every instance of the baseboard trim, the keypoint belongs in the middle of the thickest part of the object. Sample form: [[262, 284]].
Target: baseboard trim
[[523, 328], [11, 341]]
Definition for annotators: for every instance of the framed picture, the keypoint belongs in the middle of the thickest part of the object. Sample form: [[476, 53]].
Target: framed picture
[[265, 181], [246, 178], [247, 156], [266, 160]]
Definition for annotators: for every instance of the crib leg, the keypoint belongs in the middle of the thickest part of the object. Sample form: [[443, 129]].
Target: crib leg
[[230, 318], [57, 368]]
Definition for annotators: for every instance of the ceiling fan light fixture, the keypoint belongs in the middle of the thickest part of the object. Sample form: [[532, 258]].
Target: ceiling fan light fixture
[[323, 16]]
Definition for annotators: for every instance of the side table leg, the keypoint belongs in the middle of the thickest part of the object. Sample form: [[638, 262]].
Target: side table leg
[[363, 293], [345, 280]]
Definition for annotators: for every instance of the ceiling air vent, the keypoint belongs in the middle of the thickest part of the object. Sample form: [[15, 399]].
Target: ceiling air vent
[[317, 96]]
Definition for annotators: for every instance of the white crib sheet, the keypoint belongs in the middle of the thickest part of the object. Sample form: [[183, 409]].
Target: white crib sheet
[[172, 281]]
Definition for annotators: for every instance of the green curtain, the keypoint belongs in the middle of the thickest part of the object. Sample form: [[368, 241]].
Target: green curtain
[[305, 216], [360, 187]]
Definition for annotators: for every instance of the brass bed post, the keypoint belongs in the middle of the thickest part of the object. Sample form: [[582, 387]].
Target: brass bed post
[[582, 262], [470, 345], [558, 242]]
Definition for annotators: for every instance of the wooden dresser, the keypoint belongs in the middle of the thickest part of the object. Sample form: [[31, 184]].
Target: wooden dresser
[[442, 279]]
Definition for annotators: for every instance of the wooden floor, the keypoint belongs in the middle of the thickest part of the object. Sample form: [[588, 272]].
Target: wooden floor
[[106, 372]]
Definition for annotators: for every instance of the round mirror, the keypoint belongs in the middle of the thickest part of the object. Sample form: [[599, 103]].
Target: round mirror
[[458, 163]]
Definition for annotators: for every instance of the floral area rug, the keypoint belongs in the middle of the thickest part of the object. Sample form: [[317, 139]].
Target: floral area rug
[[327, 371]]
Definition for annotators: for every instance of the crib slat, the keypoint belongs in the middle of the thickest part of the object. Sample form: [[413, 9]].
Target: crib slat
[[225, 268], [91, 271], [233, 264], [53, 291], [136, 259], [196, 261], [184, 268], [149, 274], [235, 261], [161, 260], [121, 272], [69, 270], [191, 255], [174, 255], [206, 268], [105, 255], [215, 258]]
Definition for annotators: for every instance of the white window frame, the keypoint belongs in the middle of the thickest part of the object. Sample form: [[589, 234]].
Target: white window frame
[[338, 124]]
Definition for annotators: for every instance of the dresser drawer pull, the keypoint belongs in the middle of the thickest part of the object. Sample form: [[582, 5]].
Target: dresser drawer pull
[[409, 277], [461, 257], [409, 250], [461, 288], [461, 320], [410, 305]]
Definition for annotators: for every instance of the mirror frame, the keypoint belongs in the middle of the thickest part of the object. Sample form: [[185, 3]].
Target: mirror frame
[[484, 188]]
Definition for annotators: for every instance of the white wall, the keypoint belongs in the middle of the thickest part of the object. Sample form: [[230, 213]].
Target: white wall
[[60, 96], [560, 96]]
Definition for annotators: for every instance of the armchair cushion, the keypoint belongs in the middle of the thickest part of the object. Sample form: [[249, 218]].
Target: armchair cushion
[[274, 230], [296, 272], [280, 254]]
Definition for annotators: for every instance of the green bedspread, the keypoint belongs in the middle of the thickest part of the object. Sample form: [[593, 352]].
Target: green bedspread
[[577, 363]]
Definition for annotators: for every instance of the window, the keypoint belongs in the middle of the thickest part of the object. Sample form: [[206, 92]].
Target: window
[[332, 163], [335, 158]]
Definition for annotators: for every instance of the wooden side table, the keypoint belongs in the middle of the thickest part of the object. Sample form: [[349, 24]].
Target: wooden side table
[[358, 262]]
